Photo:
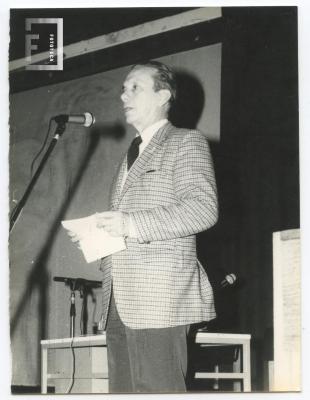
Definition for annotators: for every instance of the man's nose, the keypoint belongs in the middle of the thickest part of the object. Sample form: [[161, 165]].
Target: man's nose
[[124, 97]]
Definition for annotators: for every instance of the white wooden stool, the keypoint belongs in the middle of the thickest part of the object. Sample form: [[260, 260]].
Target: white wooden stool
[[242, 363]]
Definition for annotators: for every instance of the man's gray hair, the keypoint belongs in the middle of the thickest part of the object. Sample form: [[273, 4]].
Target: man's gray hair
[[164, 77]]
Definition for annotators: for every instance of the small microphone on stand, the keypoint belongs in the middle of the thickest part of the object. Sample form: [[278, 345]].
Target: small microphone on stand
[[229, 280], [78, 283]]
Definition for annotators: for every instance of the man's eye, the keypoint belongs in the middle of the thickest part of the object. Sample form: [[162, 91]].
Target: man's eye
[[128, 89]]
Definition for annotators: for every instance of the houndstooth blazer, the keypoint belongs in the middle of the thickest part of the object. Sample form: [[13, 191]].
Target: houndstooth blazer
[[170, 193]]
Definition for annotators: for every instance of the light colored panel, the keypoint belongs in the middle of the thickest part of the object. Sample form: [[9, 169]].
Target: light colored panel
[[287, 311]]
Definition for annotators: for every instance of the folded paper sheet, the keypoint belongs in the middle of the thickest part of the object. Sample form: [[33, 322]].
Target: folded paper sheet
[[94, 242]]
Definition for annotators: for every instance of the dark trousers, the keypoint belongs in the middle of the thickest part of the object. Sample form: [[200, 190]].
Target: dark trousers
[[145, 360]]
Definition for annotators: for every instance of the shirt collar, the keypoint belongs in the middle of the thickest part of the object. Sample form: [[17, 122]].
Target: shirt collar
[[150, 131]]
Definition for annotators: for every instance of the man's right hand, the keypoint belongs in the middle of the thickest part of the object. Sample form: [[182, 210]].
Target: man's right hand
[[75, 238]]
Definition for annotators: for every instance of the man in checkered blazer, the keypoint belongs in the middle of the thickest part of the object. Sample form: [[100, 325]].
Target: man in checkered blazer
[[163, 195]]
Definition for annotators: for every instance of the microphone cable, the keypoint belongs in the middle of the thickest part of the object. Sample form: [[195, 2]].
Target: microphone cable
[[42, 147], [72, 378], [37, 155]]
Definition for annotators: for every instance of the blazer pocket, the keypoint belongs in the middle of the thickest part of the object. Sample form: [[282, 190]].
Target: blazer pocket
[[158, 250], [153, 180], [152, 173]]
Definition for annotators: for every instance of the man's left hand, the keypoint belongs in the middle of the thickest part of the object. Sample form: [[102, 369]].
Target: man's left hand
[[114, 222]]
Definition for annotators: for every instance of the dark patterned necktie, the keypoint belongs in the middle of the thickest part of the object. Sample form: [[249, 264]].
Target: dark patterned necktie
[[133, 151]]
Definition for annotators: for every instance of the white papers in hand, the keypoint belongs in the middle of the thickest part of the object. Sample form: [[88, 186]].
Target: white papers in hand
[[95, 242]]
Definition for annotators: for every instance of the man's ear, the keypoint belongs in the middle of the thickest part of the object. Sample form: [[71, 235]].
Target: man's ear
[[164, 96]]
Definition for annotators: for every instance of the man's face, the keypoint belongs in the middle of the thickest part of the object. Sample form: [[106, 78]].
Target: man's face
[[142, 105]]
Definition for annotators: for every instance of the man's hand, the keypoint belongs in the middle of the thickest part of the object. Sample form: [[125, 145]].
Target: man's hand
[[114, 222]]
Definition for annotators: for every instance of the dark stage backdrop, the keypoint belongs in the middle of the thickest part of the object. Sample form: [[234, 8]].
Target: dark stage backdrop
[[76, 182]]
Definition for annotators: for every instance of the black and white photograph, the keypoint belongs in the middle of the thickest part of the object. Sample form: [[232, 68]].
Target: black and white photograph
[[154, 200]]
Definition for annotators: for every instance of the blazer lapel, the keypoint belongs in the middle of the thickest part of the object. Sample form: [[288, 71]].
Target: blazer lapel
[[143, 161], [116, 190]]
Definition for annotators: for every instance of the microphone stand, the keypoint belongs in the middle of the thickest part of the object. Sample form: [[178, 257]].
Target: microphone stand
[[61, 126], [83, 285]]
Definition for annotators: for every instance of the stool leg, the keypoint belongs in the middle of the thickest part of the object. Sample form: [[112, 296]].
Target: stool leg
[[237, 368], [216, 381], [246, 367]]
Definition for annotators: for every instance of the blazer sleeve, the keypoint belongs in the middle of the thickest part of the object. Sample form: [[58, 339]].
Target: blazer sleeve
[[196, 208]]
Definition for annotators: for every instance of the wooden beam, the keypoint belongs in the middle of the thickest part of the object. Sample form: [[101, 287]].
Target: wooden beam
[[123, 36]]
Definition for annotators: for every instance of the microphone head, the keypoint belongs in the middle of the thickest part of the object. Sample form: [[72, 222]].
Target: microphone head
[[89, 119], [231, 278]]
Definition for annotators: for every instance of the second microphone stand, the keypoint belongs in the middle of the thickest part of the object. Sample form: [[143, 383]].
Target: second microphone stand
[[83, 286]]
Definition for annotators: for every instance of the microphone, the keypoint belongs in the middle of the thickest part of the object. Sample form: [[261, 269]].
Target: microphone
[[78, 283], [229, 280], [87, 119]]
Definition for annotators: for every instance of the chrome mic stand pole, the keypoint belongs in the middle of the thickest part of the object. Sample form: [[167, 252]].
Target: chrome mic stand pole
[[72, 314]]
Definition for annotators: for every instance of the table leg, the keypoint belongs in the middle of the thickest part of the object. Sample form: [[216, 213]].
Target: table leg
[[43, 370]]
